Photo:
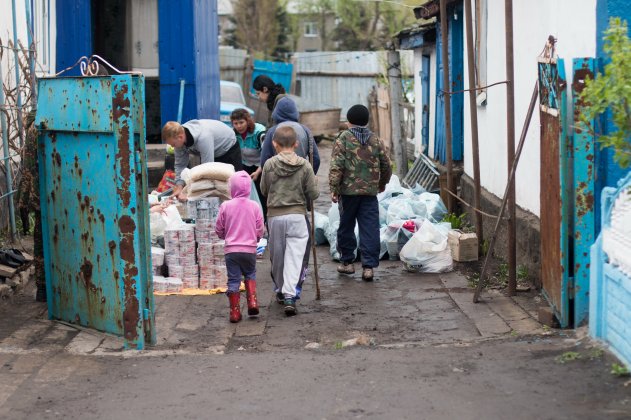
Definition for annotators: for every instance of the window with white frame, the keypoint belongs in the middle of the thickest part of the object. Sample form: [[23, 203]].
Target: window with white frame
[[480, 49], [311, 29], [41, 34]]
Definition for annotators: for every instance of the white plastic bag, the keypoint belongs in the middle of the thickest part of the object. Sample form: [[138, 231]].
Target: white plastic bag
[[321, 225], [405, 208], [331, 232], [394, 237], [427, 251], [436, 210]]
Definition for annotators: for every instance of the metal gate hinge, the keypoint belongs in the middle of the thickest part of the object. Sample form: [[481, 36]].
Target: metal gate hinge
[[145, 313]]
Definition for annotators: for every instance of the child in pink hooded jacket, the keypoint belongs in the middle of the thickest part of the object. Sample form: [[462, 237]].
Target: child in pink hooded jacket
[[240, 223]]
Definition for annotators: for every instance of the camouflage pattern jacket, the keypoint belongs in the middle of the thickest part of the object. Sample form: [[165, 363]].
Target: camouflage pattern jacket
[[358, 169]]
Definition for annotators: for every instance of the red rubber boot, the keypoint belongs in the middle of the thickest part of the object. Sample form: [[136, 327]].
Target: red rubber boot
[[235, 307], [250, 290]]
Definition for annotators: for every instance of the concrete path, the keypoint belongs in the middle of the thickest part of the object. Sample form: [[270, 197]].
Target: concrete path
[[406, 346]]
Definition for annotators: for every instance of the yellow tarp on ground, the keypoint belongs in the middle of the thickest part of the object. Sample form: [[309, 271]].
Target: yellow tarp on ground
[[198, 292]]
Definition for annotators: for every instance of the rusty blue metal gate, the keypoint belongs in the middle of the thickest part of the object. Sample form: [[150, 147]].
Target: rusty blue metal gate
[[554, 187], [93, 201], [585, 156]]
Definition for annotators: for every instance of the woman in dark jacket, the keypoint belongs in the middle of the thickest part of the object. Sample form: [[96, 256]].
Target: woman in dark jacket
[[267, 91]]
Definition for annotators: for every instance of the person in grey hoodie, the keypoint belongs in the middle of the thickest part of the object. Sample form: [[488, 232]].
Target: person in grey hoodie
[[286, 114], [289, 184], [212, 140]]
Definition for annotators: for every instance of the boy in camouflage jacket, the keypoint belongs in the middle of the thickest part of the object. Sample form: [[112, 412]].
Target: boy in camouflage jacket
[[360, 169]]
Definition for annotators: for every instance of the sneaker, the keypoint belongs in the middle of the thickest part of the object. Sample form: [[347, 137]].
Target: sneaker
[[290, 306], [346, 268], [280, 298], [367, 275]]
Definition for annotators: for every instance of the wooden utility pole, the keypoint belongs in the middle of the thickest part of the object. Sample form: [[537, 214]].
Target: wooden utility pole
[[510, 149], [444, 32], [396, 97]]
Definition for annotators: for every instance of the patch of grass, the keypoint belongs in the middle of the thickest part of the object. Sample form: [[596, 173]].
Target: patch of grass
[[473, 280], [568, 356], [456, 221], [619, 370], [501, 275], [522, 273], [485, 247], [596, 353], [513, 333], [338, 345]]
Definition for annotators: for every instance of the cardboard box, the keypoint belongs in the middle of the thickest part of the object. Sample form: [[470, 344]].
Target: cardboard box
[[464, 246]]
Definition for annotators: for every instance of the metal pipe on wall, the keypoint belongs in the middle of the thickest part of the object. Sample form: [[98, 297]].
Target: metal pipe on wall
[[473, 108], [510, 148], [17, 76], [7, 161], [511, 177], [444, 33], [30, 32]]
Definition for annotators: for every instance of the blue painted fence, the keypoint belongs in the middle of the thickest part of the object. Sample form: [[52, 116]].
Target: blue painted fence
[[279, 72], [610, 286]]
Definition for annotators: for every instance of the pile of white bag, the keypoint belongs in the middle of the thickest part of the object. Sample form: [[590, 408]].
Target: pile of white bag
[[410, 228], [208, 180]]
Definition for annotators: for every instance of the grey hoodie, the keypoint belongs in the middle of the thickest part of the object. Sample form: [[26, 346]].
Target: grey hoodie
[[289, 184], [212, 139]]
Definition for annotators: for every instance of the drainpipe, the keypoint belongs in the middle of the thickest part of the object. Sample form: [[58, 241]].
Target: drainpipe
[[31, 48], [7, 162], [17, 76]]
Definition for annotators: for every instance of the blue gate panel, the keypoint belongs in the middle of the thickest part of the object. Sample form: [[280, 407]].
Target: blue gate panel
[[585, 158], [190, 54], [555, 190], [279, 72], [207, 58], [94, 216], [74, 33]]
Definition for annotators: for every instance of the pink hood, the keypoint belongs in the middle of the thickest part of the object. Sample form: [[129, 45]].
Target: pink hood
[[240, 185], [240, 221]]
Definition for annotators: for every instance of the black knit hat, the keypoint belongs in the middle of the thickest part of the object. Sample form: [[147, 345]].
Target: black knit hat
[[358, 115]]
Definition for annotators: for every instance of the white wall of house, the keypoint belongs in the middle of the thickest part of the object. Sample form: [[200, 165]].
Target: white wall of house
[[45, 35], [573, 23]]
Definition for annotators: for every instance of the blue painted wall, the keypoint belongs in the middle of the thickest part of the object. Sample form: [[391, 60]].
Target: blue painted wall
[[456, 68], [188, 48], [74, 33], [610, 171]]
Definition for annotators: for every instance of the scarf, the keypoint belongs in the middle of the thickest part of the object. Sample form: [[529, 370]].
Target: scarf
[[362, 134]]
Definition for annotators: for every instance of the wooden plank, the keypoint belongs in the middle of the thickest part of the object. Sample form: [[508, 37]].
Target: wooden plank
[[383, 106], [324, 122]]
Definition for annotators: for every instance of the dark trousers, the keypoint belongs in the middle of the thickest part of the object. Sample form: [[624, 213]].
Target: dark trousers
[[232, 156], [238, 266], [365, 210]]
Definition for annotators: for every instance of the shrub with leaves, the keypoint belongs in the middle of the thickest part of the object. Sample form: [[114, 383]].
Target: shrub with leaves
[[611, 90]]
